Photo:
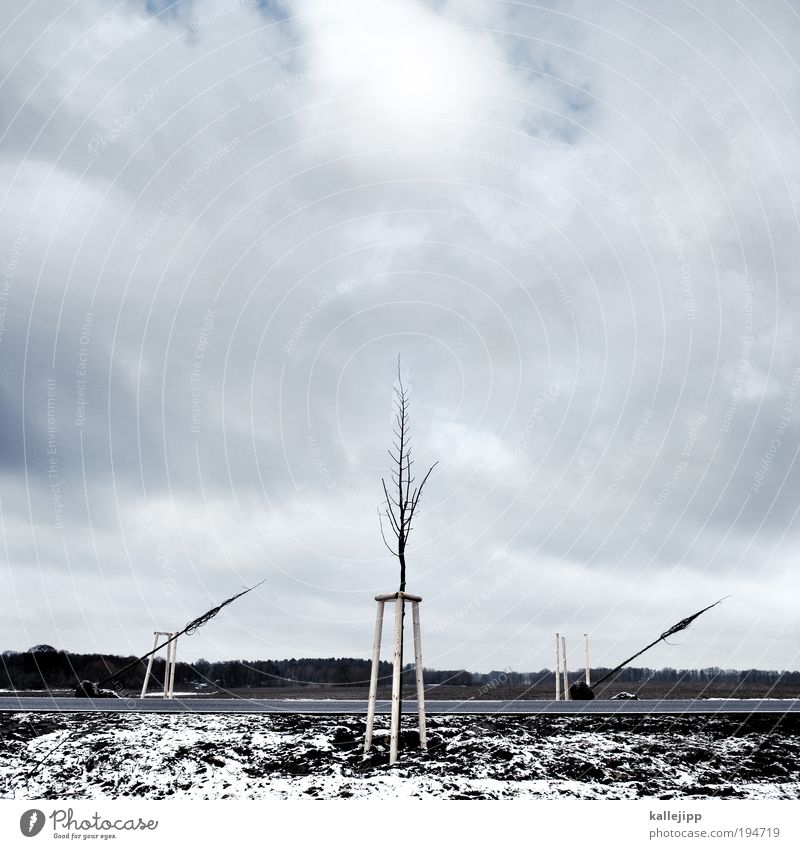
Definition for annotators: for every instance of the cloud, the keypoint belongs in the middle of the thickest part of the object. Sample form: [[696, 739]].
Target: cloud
[[222, 223]]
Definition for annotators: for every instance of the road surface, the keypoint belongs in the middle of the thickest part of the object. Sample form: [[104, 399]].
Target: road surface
[[433, 706]]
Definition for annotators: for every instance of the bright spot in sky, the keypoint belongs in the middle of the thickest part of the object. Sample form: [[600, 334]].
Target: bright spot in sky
[[406, 64]]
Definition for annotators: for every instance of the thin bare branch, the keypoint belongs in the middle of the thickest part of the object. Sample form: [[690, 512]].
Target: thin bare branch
[[383, 536], [389, 500], [402, 497], [418, 491], [393, 523]]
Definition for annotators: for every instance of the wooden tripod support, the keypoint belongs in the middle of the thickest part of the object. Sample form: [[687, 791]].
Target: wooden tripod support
[[400, 600], [169, 669]]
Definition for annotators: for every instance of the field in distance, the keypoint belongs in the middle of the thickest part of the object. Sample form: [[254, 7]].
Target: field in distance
[[497, 692]]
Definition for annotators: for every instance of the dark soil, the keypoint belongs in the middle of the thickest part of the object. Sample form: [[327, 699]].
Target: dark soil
[[256, 756]]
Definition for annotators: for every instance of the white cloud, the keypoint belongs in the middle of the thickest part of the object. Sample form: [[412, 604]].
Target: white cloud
[[555, 213]]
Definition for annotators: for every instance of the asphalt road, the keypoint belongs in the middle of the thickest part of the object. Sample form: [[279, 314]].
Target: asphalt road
[[521, 706]]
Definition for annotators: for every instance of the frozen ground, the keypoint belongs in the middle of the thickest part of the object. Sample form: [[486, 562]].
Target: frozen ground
[[158, 756]]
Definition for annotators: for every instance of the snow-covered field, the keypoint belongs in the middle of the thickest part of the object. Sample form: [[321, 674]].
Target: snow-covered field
[[206, 756]]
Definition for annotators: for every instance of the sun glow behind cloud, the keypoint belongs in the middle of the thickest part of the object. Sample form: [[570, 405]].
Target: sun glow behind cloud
[[401, 61]]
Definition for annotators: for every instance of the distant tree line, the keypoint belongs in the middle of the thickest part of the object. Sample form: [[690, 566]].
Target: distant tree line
[[44, 667], [644, 674]]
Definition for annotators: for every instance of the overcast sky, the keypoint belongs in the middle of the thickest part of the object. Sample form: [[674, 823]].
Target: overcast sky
[[577, 222]]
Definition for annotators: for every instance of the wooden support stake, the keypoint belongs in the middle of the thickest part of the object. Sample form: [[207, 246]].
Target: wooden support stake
[[423, 736], [397, 679], [586, 659], [373, 680], [567, 696], [166, 670], [149, 665], [169, 666], [558, 668], [173, 655], [400, 600]]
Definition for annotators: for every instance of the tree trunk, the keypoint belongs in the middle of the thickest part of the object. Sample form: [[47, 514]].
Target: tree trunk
[[401, 552]]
